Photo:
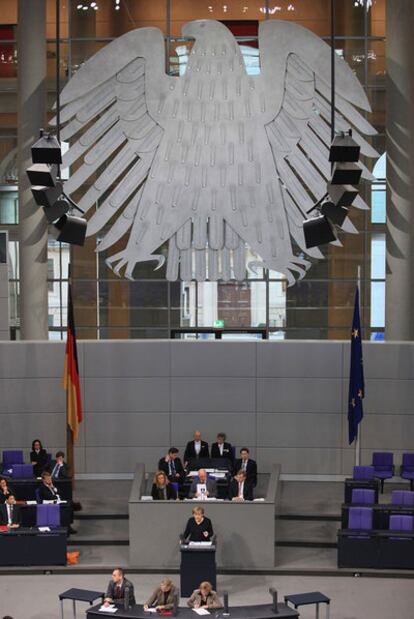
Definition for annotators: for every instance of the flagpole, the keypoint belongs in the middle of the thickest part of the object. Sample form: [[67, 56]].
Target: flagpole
[[358, 438], [69, 432]]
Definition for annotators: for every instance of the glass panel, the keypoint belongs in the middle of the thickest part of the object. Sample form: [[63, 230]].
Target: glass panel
[[377, 304], [376, 18], [378, 256], [9, 206], [376, 63], [234, 304], [315, 15]]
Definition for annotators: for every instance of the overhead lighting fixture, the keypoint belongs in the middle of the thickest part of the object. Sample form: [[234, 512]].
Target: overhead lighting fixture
[[70, 229], [59, 208], [346, 174], [335, 214], [46, 149], [344, 148], [342, 195], [318, 231]]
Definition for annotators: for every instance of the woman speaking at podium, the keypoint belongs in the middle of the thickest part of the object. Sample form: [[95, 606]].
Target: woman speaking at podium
[[199, 528]]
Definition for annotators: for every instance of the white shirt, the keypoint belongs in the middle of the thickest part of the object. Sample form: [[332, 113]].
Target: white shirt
[[221, 448], [244, 465], [9, 514], [241, 488], [197, 447]]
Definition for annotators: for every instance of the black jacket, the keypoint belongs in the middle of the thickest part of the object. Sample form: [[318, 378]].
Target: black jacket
[[194, 532], [63, 471], [247, 490], [158, 495], [3, 497], [16, 516], [111, 592], [40, 460], [227, 451], [190, 453], [251, 470], [165, 466], [48, 494]]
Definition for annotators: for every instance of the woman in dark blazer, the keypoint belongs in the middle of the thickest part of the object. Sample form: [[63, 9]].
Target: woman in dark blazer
[[162, 489], [199, 528], [5, 490], [38, 457]]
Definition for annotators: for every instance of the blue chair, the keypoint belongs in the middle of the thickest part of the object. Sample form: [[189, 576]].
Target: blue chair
[[402, 497], [22, 471], [364, 472], [407, 468], [48, 516], [383, 463], [10, 457], [363, 496]]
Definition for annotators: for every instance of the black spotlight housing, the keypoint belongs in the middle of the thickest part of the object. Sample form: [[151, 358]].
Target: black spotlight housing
[[336, 214], [70, 229], [46, 196], [344, 148], [346, 174], [318, 231], [46, 149], [56, 210], [42, 174], [342, 195]]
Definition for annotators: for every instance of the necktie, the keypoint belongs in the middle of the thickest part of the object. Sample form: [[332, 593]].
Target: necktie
[[55, 471], [10, 507], [172, 467], [240, 489], [244, 465]]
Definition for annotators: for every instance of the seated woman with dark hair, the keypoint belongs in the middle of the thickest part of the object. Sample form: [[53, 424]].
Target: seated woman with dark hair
[[38, 457], [5, 490], [162, 489]]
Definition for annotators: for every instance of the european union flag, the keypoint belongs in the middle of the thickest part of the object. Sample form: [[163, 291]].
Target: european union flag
[[356, 376]]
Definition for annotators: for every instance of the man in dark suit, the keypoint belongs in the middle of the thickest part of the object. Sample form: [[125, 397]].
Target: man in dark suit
[[196, 449], [240, 489], [47, 491], [246, 464], [118, 587], [171, 465], [221, 449], [59, 469], [200, 483], [10, 515]]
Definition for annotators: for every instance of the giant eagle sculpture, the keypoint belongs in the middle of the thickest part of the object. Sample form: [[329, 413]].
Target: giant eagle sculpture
[[212, 160]]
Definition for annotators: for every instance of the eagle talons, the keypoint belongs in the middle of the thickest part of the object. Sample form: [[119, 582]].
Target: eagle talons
[[130, 263]]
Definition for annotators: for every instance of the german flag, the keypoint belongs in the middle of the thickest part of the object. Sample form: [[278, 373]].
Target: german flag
[[71, 382]]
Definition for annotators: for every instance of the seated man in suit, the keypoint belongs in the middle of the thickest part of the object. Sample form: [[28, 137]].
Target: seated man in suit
[[203, 487], [118, 587], [240, 489], [196, 449], [172, 466], [164, 596], [10, 515], [248, 465], [221, 449], [59, 469], [47, 491]]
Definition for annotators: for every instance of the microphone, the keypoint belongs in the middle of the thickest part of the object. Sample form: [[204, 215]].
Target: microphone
[[273, 593], [126, 598], [176, 602], [226, 604]]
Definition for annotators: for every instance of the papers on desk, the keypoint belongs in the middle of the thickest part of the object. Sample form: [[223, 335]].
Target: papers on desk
[[145, 497], [216, 472], [151, 610], [258, 500], [31, 502], [201, 611], [44, 529], [61, 502], [199, 543], [108, 609], [46, 502], [219, 475]]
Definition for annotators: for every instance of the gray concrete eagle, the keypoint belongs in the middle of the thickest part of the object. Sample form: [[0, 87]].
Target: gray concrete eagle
[[214, 160]]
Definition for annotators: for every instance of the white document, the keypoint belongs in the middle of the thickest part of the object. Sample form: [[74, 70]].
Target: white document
[[146, 497], [48, 502], [60, 501], [199, 543], [44, 529], [150, 610], [108, 609], [31, 502], [201, 611], [201, 489]]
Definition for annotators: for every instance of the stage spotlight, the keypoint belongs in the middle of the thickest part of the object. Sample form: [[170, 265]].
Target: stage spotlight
[[70, 229], [346, 174], [42, 174], [336, 214], [342, 195], [344, 148], [46, 149], [318, 231], [56, 210], [46, 196]]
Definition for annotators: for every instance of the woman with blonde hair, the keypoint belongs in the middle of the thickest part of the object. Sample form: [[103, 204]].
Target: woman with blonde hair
[[204, 597], [164, 596], [162, 489], [199, 528]]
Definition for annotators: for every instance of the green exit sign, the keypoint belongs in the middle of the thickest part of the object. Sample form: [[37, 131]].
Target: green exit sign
[[219, 323]]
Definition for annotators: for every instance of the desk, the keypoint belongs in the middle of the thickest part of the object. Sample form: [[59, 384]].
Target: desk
[[262, 611], [23, 546], [24, 489], [79, 595], [28, 513], [304, 599]]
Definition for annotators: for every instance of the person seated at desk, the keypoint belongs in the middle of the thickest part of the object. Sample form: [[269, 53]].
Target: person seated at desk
[[5, 490], [196, 449], [38, 457], [164, 596], [47, 491], [221, 449], [204, 597], [115, 592], [199, 528], [240, 489], [10, 515], [172, 466], [162, 489], [203, 487], [59, 469], [246, 464]]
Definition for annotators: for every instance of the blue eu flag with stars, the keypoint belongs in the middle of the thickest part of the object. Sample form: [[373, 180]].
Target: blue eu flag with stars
[[356, 376]]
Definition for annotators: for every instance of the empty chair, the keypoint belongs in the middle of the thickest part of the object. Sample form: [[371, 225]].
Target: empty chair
[[402, 497], [407, 468], [360, 518], [48, 516], [383, 463], [22, 471], [176, 486], [364, 472], [10, 457], [401, 523], [358, 544], [363, 496]]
